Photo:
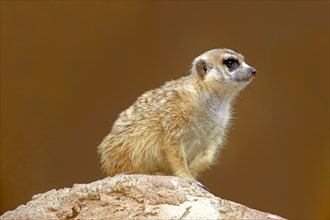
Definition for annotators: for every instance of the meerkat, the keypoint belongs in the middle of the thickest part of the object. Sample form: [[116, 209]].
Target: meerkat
[[178, 128]]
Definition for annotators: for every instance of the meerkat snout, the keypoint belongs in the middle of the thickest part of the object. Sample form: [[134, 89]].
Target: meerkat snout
[[243, 73], [253, 71], [178, 128]]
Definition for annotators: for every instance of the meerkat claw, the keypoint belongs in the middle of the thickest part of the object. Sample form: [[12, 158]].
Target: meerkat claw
[[198, 184], [202, 186]]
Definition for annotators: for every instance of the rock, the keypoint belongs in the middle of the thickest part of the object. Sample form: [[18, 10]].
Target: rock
[[136, 197]]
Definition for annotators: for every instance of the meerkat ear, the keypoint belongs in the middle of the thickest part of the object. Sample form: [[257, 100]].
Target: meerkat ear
[[201, 67]]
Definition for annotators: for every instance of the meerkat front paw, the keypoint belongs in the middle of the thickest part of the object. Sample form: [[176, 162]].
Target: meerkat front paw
[[191, 181]]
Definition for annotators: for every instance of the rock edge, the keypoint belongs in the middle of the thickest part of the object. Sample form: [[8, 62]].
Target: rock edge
[[136, 197]]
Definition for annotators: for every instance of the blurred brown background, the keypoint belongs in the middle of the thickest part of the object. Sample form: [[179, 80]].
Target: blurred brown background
[[69, 68]]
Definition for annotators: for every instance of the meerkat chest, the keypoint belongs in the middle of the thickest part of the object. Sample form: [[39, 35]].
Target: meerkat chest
[[218, 113], [209, 127]]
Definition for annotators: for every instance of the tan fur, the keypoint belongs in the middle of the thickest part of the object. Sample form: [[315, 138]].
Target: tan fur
[[177, 129]]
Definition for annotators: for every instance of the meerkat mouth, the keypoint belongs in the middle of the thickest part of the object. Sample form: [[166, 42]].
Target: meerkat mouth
[[241, 80]]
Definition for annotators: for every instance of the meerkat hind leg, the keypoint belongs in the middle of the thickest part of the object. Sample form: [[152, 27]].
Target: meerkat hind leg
[[178, 164]]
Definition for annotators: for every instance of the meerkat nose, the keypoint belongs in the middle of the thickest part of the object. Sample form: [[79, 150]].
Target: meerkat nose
[[253, 71]]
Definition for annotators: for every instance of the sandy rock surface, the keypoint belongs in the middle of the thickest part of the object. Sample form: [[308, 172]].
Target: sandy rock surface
[[135, 197]]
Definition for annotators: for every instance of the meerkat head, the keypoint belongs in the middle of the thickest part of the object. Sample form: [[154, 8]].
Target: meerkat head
[[224, 67]]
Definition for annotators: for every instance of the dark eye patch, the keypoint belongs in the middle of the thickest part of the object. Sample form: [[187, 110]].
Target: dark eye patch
[[231, 63]]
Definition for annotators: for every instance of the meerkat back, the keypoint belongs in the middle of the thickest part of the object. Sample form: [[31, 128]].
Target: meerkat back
[[178, 129]]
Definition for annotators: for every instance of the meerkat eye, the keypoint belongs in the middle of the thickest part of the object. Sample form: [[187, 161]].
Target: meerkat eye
[[231, 63]]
